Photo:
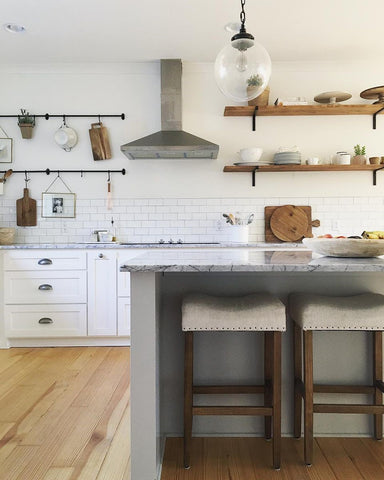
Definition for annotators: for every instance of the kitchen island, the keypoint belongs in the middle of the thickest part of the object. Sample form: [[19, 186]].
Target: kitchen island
[[158, 281]]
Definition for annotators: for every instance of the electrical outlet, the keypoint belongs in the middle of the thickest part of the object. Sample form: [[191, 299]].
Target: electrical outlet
[[219, 226], [335, 225]]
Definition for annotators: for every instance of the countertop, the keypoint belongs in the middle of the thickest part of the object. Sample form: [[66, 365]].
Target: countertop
[[247, 260], [117, 245]]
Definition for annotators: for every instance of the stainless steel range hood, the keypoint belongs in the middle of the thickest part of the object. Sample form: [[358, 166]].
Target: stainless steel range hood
[[171, 141]]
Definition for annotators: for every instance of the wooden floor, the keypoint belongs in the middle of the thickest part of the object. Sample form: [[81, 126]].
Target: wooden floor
[[64, 414], [251, 459]]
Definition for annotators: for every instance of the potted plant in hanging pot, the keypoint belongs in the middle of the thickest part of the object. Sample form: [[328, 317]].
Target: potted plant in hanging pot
[[26, 123], [360, 157], [254, 82]]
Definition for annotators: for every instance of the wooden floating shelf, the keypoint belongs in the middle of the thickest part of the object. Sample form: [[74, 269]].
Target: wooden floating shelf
[[287, 110], [302, 168]]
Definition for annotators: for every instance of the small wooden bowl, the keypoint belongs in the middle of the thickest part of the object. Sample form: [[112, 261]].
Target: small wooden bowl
[[374, 160]]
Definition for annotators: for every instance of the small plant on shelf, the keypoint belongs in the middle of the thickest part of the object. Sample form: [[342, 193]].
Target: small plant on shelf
[[26, 123], [254, 81], [359, 158]]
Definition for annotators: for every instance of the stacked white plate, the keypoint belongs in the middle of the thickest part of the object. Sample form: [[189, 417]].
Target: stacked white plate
[[287, 158]]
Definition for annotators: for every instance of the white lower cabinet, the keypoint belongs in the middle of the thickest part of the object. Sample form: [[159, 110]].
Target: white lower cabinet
[[102, 292], [66, 293]]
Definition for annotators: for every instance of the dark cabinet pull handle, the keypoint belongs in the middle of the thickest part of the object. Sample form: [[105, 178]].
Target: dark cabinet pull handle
[[45, 261], [45, 286], [45, 321]]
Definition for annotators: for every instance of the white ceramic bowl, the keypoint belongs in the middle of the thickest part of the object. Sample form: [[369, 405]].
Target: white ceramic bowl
[[66, 138], [251, 154], [345, 247]]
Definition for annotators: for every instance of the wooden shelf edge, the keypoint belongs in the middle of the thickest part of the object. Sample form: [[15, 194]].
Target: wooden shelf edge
[[290, 110], [302, 168]]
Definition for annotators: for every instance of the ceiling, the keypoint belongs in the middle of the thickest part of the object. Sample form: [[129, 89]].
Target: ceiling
[[144, 30]]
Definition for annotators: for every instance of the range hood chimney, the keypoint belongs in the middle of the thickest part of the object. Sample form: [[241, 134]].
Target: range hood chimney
[[171, 141]]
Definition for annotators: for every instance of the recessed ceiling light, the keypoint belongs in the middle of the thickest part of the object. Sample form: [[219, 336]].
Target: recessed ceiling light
[[14, 28], [232, 27]]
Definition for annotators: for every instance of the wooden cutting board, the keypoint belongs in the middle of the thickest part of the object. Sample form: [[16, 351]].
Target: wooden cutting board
[[101, 149], [26, 211], [288, 223]]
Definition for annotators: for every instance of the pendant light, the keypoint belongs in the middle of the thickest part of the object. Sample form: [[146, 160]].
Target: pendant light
[[242, 68]]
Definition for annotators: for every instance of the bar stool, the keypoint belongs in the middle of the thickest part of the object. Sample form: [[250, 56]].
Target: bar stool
[[364, 312], [255, 312]]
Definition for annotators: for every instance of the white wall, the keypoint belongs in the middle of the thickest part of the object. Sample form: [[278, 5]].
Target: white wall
[[135, 90]]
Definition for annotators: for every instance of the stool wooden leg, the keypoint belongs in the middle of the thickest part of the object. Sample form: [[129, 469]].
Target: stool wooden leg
[[268, 362], [298, 368], [308, 397], [378, 376], [276, 400], [188, 397]]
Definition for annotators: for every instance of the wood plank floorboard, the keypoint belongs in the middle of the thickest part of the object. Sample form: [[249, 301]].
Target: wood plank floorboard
[[251, 459], [64, 413]]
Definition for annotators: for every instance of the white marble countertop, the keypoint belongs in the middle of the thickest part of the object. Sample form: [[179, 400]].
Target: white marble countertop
[[115, 245], [247, 260]]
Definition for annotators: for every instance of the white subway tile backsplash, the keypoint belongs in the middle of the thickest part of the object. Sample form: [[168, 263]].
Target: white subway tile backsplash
[[192, 220]]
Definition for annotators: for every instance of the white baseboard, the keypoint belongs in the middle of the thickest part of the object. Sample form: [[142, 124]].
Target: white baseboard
[[69, 342]]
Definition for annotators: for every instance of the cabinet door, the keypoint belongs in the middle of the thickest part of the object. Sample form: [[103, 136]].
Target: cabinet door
[[124, 317], [102, 293]]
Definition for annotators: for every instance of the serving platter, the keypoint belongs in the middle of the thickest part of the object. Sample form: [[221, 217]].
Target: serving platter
[[345, 247]]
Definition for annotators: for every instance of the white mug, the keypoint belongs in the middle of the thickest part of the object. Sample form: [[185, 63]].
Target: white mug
[[312, 161]]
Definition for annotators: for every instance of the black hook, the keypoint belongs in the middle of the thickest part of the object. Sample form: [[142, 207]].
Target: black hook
[[99, 118], [47, 116], [64, 121], [81, 173], [109, 176]]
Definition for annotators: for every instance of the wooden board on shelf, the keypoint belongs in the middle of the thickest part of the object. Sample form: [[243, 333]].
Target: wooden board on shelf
[[286, 110]]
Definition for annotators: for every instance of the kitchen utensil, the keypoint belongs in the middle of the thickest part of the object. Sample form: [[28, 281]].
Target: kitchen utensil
[[374, 93], [332, 97], [250, 218], [228, 219], [26, 210], [101, 149], [251, 154], [288, 225], [7, 174], [66, 137], [232, 218], [345, 247]]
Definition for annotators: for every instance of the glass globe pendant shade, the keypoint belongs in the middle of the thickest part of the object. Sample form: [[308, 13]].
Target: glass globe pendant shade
[[242, 69]]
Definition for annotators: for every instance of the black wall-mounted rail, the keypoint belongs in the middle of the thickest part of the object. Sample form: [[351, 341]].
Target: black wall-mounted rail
[[48, 171], [47, 116]]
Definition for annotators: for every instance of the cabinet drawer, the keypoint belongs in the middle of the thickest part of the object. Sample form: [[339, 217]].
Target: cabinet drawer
[[43, 321], [45, 260], [45, 287]]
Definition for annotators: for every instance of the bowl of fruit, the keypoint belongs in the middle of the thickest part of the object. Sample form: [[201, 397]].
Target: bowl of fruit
[[369, 244]]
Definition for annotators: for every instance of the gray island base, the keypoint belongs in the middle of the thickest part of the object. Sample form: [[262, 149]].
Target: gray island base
[[158, 281]]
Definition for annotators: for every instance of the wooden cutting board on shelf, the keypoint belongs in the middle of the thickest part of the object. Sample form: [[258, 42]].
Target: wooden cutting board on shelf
[[26, 210], [288, 223]]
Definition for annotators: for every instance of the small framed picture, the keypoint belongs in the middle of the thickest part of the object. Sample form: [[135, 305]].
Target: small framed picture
[[58, 205], [6, 150]]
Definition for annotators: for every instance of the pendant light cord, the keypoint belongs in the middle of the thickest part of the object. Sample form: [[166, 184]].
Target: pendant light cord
[[242, 15]]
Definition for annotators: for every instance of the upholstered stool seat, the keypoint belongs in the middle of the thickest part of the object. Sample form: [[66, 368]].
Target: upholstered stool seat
[[311, 312], [320, 312], [255, 312], [258, 311]]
